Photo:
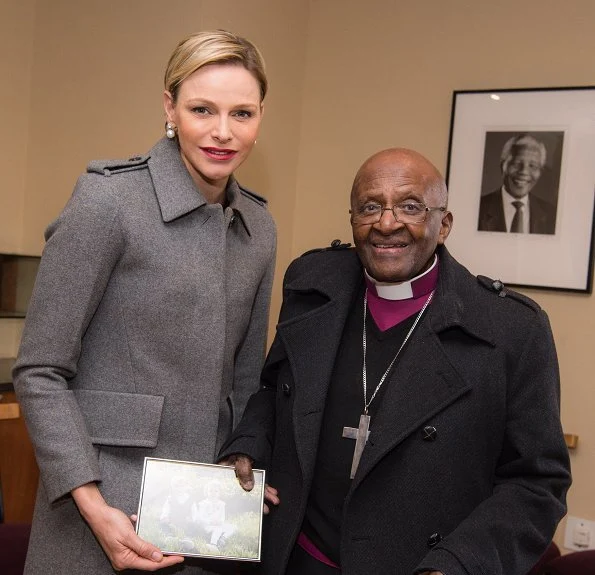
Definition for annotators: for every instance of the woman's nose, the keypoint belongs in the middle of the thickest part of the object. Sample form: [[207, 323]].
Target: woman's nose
[[222, 130]]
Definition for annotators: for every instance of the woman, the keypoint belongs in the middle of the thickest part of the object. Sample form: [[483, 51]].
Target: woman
[[146, 331]]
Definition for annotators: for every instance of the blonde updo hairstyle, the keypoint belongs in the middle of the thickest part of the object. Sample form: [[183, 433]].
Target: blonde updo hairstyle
[[213, 47]]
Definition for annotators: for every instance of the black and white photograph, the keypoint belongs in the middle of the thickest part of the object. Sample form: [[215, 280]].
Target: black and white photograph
[[521, 181], [200, 510]]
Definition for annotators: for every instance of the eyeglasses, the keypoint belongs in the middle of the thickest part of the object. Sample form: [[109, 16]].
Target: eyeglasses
[[406, 213]]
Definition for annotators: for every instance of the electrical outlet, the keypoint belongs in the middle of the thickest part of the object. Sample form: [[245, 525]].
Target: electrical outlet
[[579, 534]]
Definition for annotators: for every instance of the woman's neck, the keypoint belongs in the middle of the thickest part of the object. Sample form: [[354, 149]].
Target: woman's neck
[[213, 192]]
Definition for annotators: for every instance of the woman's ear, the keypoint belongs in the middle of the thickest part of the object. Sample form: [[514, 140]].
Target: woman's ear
[[169, 106]]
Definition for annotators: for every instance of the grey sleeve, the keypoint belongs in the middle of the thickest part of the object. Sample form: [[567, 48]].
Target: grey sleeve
[[82, 247]]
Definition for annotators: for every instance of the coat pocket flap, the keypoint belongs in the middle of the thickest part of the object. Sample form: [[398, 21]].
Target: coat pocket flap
[[121, 419]]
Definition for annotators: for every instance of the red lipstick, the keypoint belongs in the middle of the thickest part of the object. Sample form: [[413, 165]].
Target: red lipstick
[[219, 154]]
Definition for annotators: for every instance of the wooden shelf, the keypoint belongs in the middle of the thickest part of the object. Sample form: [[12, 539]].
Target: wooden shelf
[[9, 411], [18, 470], [571, 440]]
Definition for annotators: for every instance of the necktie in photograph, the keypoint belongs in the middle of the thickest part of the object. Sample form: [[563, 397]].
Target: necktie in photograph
[[517, 220]]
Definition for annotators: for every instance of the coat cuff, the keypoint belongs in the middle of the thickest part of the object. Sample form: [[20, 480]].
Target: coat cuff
[[442, 560], [256, 448]]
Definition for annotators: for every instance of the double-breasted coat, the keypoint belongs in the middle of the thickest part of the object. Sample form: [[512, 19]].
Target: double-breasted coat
[[465, 470], [145, 336]]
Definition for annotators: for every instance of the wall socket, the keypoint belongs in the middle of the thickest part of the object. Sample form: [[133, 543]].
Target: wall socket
[[579, 534]]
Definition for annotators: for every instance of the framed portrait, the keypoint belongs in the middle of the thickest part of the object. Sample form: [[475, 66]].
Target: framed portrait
[[521, 180], [200, 510]]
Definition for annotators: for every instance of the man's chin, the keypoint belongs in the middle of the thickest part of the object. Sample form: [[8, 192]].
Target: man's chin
[[520, 193], [387, 276]]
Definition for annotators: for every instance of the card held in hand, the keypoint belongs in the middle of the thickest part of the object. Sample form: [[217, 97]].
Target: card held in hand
[[200, 510]]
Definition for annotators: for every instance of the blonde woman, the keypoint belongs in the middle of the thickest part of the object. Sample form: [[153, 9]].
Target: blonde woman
[[146, 331]]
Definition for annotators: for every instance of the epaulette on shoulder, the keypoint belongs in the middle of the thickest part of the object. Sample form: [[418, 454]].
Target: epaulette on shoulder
[[252, 196], [335, 246], [109, 167], [497, 287]]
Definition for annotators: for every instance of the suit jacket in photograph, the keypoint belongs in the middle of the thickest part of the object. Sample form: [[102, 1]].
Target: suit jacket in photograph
[[542, 215]]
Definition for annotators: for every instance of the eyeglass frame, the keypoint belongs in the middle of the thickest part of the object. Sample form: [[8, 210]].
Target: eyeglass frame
[[426, 210]]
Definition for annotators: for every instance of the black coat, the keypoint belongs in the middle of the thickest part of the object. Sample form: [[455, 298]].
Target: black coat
[[483, 497]]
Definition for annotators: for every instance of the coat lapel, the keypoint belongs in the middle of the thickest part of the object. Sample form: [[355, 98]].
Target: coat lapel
[[176, 193], [311, 341], [425, 382]]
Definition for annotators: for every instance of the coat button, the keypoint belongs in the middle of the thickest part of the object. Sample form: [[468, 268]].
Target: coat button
[[286, 389], [434, 539], [430, 433]]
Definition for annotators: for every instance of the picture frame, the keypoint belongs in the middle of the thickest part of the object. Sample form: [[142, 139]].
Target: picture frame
[[200, 510], [536, 145]]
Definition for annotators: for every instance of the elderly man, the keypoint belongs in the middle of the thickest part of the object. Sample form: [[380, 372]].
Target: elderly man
[[513, 208], [409, 411]]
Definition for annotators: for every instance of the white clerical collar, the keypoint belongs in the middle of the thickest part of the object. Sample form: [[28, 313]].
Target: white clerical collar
[[398, 291]]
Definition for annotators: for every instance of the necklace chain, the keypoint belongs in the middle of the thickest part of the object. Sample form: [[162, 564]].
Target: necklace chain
[[364, 345]]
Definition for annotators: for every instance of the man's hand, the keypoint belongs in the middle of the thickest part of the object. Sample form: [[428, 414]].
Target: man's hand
[[272, 496], [243, 468], [114, 531]]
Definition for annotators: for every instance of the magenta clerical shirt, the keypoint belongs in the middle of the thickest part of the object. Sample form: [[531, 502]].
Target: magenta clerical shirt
[[390, 304]]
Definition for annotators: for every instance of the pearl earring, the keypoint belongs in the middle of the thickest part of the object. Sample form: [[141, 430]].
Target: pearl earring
[[170, 130]]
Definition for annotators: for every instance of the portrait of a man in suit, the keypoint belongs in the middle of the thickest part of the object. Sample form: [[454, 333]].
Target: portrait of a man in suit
[[514, 206]]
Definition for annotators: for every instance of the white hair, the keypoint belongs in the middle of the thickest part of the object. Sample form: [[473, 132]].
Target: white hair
[[520, 142]]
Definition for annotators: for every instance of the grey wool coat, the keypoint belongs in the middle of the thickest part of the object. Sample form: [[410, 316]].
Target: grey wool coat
[[465, 470], [145, 336]]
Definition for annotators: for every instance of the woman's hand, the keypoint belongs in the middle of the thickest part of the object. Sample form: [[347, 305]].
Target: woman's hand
[[116, 535], [243, 468]]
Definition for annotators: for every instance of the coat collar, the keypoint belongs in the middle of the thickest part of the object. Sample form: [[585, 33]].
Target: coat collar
[[458, 298], [176, 192], [456, 292], [334, 282]]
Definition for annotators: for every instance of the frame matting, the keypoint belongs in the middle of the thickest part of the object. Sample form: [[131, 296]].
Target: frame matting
[[559, 255]]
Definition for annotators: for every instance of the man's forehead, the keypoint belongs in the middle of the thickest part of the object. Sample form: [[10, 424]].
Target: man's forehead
[[527, 151], [388, 181], [391, 178], [397, 163], [396, 170]]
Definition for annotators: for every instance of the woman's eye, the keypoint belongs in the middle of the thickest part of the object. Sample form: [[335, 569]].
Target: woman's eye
[[201, 110], [243, 114]]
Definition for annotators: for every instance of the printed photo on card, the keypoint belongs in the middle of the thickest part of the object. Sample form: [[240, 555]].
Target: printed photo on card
[[200, 510]]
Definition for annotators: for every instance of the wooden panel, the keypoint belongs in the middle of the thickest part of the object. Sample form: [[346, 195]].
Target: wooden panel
[[18, 469], [9, 411]]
